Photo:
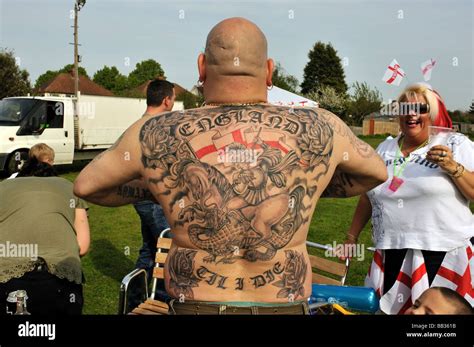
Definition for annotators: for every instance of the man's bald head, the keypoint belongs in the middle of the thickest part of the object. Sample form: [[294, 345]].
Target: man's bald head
[[234, 67], [236, 47]]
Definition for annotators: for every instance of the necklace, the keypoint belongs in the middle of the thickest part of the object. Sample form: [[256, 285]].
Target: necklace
[[397, 181], [235, 104]]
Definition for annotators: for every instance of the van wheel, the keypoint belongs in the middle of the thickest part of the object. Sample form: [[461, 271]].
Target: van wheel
[[16, 161]]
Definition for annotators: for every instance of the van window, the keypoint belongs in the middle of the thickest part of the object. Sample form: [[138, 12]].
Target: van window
[[46, 115], [55, 114]]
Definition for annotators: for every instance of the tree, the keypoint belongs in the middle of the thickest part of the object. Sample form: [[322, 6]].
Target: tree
[[49, 75], [15, 81], [70, 68], [323, 69], [145, 71], [329, 99], [111, 79], [282, 79], [363, 101], [189, 100], [471, 109], [45, 78]]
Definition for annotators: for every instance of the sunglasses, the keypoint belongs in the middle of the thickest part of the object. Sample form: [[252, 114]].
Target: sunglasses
[[407, 108]]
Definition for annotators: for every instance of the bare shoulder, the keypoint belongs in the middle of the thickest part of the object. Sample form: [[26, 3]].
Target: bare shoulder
[[343, 130]]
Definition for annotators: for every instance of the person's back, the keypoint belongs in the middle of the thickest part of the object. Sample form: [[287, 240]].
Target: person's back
[[41, 211], [239, 185], [45, 230], [238, 179]]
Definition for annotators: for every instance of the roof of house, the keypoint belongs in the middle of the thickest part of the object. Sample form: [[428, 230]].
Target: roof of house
[[64, 84], [141, 89]]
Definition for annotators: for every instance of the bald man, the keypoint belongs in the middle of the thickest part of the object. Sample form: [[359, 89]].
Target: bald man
[[238, 180]]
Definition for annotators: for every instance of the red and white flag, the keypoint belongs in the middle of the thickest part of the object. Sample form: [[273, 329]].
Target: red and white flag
[[394, 73], [426, 68], [456, 272]]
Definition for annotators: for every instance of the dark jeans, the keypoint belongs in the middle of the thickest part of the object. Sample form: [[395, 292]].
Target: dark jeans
[[153, 222], [47, 294], [393, 263]]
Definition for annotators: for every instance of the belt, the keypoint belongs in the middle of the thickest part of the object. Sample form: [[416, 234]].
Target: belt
[[204, 308]]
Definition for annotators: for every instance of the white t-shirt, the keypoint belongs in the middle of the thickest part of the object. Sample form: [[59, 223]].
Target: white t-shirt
[[427, 211]]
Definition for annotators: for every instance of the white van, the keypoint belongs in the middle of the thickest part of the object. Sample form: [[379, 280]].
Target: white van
[[77, 129]]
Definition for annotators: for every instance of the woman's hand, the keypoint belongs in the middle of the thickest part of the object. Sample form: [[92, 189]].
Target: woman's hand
[[463, 179], [348, 248], [443, 157]]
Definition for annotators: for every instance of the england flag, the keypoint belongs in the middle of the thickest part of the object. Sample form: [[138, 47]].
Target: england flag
[[394, 74], [426, 68]]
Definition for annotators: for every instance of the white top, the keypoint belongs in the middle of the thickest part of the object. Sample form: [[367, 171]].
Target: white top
[[427, 211]]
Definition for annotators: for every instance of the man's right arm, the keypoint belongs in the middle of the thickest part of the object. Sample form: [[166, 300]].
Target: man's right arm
[[360, 168]]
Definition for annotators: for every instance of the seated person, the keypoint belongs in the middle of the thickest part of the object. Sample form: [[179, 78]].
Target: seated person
[[440, 300], [42, 152], [47, 228]]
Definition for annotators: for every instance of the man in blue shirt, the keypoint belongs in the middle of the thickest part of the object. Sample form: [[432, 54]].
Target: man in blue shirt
[[160, 98]]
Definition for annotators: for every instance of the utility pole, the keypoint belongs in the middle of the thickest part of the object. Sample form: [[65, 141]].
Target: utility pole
[[77, 7]]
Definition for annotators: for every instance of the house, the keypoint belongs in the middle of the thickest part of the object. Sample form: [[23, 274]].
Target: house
[[140, 91], [465, 128], [375, 124], [64, 84]]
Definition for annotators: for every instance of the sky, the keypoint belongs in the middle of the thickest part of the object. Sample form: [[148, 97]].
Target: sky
[[367, 35]]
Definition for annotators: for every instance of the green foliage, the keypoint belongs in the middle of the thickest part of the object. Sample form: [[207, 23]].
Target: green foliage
[[111, 79], [15, 81], [49, 75], [145, 71], [363, 101], [284, 80], [189, 100], [471, 108], [45, 78], [461, 116], [70, 68], [329, 99], [323, 69]]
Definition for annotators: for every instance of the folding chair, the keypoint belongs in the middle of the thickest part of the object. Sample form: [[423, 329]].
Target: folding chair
[[134, 296], [332, 267]]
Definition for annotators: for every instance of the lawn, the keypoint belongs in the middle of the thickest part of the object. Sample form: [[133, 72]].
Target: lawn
[[116, 239]]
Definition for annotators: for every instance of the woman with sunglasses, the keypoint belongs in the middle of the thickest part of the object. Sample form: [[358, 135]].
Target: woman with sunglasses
[[421, 222]]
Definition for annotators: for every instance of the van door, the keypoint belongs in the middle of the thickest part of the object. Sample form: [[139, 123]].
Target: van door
[[46, 125]]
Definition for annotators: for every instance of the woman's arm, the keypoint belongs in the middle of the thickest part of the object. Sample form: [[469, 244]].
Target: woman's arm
[[361, 216], [465, 181], [81, 224], [465, 184]]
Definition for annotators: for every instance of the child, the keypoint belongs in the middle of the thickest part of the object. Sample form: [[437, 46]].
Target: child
[[440, 300], [42, 152]]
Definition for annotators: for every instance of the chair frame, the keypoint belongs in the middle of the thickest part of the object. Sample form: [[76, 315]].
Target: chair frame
[[328, 248], [141, 272]]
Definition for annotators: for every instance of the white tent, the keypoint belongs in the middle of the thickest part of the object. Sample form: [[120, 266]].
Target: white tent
[[282, 97]]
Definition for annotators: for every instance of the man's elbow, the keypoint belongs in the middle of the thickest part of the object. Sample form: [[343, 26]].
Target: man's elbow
[[383, 175], [379, 173], [82, 189], [377, 177]]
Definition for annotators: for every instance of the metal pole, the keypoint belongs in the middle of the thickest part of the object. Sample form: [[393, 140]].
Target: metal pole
[[76, 53]]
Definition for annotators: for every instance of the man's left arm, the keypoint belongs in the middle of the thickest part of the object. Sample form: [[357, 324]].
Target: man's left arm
[[113, 178]]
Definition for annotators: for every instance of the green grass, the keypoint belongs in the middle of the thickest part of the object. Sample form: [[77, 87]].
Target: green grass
[[116, 239]]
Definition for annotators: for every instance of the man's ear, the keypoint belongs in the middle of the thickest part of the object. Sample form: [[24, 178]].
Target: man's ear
[[202, 67], [270, 66], [167, 102]]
